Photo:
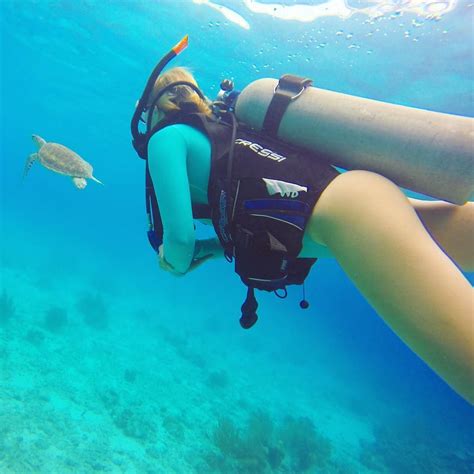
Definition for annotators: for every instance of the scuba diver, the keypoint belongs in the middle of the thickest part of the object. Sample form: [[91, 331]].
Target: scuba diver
[[276, 208]]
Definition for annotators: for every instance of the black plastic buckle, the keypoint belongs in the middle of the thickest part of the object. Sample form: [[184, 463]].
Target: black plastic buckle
[[292, 86]]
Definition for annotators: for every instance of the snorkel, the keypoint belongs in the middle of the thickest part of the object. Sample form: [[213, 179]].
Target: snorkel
[[140, 141]]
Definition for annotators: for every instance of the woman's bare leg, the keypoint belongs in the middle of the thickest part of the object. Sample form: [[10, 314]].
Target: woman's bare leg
[[378, 239], [452, 227]]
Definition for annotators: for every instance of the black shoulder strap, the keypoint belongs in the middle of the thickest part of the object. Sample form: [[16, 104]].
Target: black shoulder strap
[[289, 88], [155, 227]]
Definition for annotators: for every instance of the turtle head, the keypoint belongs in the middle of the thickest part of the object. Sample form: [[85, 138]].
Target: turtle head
[[38, 141]]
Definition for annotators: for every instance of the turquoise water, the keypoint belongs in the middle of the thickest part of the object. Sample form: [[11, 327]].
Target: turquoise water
[[108, 364]]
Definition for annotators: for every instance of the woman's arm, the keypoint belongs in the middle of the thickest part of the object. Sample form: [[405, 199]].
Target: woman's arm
[[167, 154], [209, 249], [204, 250]]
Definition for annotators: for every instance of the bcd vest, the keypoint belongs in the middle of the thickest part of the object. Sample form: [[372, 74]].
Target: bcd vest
[[260, 201]]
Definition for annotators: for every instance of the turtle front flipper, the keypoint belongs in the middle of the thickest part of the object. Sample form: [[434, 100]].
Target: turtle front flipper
[[80, 183], [29, 163]]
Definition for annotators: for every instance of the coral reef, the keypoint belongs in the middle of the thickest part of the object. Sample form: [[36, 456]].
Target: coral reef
[[217, 379], [173, 425], [134, 425], [227, 438], [35, 337], [130, 375], [93, 310], [7, 307], [263, 447], [402, 446], [182, 347], [55, 319], [305, 446], [130, 419]]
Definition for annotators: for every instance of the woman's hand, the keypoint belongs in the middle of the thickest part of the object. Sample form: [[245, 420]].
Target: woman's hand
[[164, 265]]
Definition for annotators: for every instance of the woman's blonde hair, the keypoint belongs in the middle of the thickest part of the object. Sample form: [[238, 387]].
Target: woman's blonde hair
[[179, 97]]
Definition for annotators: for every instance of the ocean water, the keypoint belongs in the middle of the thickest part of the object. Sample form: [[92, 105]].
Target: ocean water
[[109, 365]]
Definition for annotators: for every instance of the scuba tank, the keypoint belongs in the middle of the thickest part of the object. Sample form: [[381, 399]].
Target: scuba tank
[[427, 152]]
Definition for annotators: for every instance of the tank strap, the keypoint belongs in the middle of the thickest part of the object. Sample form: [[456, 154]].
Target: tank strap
[[289, 88]]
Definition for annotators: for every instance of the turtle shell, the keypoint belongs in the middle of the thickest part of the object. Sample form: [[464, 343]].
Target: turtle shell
[[62, 160]]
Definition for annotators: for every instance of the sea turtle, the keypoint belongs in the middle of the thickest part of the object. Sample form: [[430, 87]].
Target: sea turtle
[[62, 160]]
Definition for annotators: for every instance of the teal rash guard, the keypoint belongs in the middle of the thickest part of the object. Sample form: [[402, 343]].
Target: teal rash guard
[[179, 159]]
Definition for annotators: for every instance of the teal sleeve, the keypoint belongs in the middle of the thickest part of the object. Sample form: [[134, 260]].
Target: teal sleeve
[[167, 155]]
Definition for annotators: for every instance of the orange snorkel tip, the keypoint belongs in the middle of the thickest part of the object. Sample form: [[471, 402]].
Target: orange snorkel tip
[[181, 45]]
